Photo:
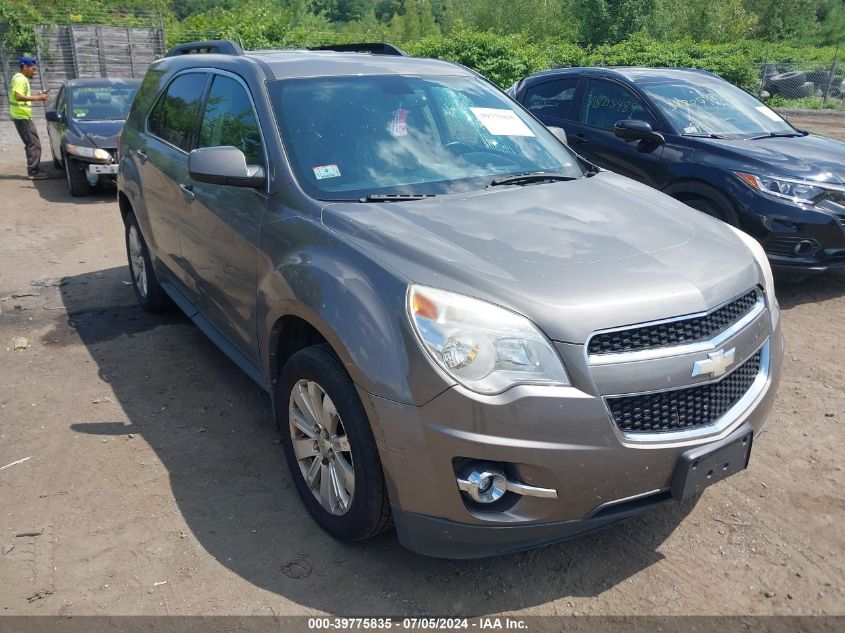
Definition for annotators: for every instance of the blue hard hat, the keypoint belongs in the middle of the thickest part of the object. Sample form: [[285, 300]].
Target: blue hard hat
[[26, 60]]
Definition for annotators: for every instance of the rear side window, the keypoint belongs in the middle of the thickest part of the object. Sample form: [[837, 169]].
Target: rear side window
[[230, 120], [552, 98], [174, 117], [606, 103]]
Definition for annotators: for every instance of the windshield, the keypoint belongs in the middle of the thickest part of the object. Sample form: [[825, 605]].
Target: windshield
[[101, 103], [358, 136], [709, 105]]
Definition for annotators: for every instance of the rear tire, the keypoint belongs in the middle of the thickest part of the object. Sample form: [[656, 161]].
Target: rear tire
[[77, 181], [151, 296], [335, 466]]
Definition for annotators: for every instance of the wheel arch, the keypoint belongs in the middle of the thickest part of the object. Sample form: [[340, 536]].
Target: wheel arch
[[690, 189]]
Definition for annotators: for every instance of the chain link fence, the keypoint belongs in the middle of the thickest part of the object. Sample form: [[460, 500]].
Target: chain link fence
[[814, 86]]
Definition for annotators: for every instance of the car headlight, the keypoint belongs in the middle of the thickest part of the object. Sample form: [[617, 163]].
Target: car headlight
[[794, 190], [88, 152], [768, 279], [482, 346]]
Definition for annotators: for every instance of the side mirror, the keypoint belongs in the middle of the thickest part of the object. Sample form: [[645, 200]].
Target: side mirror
[[559, 133], [55, 116], [633, 130], [224, 166]]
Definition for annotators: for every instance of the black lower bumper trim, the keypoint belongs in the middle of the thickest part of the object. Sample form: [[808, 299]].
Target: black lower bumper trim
[[442, 538]]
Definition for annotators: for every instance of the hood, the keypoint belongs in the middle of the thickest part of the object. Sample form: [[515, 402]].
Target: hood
[[102, 134], [808, 157], [573, 257]]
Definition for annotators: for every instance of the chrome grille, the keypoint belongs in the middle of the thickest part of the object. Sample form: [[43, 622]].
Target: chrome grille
[[677, 332], [684, 409]]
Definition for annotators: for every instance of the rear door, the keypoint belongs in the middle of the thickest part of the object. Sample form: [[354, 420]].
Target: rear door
[[604, 103], [163, 162], [221, 223]]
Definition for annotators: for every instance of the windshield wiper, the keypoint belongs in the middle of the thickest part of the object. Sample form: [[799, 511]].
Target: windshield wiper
[[528, 178], [395, 197], [780, 135], [696, 135]]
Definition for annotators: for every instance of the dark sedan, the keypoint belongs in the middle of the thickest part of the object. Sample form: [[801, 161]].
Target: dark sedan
[[84, 125], [709, 144]]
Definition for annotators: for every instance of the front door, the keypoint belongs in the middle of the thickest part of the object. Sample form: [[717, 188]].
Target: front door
[[221, 225], [604, 103]]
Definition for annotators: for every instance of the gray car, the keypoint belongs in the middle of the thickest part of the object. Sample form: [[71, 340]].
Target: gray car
[[466, 330]]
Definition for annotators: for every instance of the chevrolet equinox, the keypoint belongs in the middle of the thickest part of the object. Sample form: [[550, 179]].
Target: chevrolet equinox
[[467, 330]]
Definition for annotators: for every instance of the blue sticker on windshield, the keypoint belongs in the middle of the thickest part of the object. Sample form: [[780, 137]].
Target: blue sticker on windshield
[[326, 171]]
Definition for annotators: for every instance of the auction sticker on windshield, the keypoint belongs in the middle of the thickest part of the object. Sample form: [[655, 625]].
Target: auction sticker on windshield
[[765, 110], [326, 171], [501, 122]]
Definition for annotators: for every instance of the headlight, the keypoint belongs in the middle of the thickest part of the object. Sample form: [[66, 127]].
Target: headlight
[[794, 190], [482, 346], [762, 261], [88, 152]]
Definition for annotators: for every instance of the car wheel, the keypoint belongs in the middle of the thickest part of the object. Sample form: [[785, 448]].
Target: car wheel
[[77, 181], [149, 293], [329, 446], [710, 208]]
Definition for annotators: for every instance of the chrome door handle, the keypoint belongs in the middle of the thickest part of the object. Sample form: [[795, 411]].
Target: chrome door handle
[[188, 192], [142, 155]]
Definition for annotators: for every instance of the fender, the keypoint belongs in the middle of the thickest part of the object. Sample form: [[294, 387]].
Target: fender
[[353, 301]]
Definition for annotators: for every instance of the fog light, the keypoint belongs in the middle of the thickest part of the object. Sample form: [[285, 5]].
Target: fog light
[[486, 486], [806, 247]]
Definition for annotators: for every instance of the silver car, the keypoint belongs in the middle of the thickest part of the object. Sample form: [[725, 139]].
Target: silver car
[[466, 330]]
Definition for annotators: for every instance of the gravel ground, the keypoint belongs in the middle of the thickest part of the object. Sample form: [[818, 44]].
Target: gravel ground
[[154, 483]]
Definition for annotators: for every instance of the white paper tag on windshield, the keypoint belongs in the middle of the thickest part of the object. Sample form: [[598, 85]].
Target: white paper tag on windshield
[[501, 122], [767, 111], [326, 171]]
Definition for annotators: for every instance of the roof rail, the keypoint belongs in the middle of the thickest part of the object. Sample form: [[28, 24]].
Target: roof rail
[[219, 47], [376, 48]]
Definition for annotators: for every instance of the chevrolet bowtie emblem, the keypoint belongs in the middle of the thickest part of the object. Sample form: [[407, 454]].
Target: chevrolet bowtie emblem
[[717, 363]]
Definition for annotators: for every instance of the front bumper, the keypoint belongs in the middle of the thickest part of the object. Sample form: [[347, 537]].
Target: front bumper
[[781, 226], [560, 438]]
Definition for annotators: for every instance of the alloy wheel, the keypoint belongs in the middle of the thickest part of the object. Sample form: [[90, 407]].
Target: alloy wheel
[[321, 447], [137, 264]]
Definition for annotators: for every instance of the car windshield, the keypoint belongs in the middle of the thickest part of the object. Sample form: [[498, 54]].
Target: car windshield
[[102, 103], [359, 136], [709, 105]]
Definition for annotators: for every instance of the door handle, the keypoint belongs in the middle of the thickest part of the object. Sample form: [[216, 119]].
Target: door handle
[[188, 192], [579, 139], [142, 155]]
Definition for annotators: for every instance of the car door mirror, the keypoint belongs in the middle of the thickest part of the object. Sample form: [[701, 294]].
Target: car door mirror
[[634, 130], [224, 166], [559, 133], [54, 116]]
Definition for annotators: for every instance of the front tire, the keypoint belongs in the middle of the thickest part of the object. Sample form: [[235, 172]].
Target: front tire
[[148, 291], [77, 181], [329, 446]]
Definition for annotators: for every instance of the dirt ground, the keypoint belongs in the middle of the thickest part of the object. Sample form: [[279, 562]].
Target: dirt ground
[[154, 482]]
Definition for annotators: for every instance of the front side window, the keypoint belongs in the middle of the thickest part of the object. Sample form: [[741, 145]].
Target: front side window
[[350, 137], [606, 102], [229, 120], [174, 117], [552, 98], [710, 105]]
